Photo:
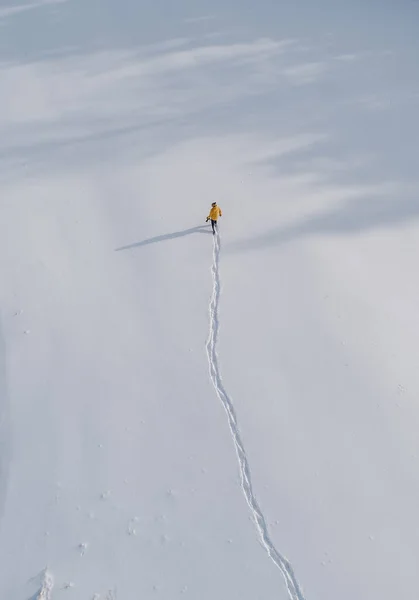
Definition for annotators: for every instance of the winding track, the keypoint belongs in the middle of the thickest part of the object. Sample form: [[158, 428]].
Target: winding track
[[293, 587]]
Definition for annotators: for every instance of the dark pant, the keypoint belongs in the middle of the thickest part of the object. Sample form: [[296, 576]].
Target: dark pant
[[214, 225]]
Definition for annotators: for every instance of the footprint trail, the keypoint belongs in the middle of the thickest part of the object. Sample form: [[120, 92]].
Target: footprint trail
[[293, 587], [47, 585]]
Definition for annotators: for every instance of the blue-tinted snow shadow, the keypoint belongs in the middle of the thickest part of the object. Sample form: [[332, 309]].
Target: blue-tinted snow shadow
[[166, 237], [367, 107], [43, 29], [349, 100], [349, 217], [38, 582], [36, 595]]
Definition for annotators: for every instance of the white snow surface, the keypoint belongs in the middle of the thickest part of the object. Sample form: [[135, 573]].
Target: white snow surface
[[183, 416]]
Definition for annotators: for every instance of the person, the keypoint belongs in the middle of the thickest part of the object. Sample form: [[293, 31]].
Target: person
[[215, 212]]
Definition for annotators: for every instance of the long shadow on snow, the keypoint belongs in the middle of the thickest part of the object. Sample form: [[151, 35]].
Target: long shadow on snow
[[167, 236]]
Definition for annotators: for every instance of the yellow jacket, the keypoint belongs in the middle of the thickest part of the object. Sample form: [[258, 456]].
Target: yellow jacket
[[215, 212]]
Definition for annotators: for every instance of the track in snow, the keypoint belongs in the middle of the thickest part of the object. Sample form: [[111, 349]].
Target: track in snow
[[46, 587], [279, 561]]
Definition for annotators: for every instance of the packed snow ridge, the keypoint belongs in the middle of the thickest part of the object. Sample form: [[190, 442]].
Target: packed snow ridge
[[45, 593], [294, 589]]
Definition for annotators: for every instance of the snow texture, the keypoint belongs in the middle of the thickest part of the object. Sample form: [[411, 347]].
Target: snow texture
[[275, 457], [45, 593], [279, 561]]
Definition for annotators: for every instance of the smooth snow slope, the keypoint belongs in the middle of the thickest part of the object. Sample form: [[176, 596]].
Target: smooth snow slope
[[125, 459]]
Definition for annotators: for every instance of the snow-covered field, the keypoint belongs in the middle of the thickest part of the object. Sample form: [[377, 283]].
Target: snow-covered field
[[182, 417]]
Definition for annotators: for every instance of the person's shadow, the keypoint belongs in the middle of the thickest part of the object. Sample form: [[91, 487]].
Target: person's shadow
[[167, 236]]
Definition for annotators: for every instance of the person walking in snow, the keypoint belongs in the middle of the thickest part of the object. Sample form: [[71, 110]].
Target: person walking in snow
[[215, 212]]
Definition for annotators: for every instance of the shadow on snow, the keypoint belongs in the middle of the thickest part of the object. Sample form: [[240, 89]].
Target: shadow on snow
[[167, 236]]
